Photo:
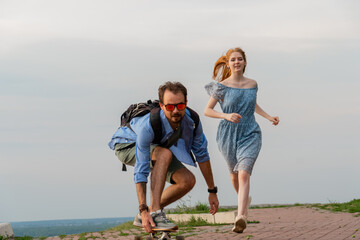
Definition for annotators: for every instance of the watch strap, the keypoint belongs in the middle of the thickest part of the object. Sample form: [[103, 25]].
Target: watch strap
[[214, 190], [143, 207]]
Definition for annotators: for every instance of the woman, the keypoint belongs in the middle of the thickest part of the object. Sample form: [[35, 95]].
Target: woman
[[238, 135]]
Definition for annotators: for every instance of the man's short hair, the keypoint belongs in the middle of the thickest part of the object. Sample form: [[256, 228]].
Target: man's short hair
[[173, 87]]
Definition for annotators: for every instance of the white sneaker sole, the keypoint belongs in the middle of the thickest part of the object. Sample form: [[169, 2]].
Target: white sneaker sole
[[239, 225]]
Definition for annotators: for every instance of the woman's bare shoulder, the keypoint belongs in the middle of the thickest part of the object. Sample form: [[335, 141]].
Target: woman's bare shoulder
[[226, 82], [251, 82]]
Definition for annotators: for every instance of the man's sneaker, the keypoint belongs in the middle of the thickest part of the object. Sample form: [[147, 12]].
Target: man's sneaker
[[161, 221], [137, 220]]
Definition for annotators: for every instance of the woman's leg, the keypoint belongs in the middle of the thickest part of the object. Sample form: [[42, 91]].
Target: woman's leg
[[235, 181], [243, 192], [241, 183]]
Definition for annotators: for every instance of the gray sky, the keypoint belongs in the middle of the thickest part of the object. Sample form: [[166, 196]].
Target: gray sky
[[68, 69]]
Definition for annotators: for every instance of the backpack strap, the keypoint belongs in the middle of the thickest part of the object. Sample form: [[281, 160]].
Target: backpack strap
[[155, 122], [172, 140], [195, 117]]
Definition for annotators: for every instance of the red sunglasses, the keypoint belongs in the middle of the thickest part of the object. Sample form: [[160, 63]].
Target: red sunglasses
[[171, 107]]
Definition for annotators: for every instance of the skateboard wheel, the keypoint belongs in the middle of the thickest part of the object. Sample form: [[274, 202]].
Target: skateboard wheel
[[180, 237], [138, 238]]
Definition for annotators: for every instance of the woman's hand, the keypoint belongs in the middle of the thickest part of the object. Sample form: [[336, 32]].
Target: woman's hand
[[275, 120], [233, 117]]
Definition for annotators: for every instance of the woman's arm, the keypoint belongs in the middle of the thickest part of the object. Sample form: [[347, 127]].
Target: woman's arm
[[210, 112], [275, 120]]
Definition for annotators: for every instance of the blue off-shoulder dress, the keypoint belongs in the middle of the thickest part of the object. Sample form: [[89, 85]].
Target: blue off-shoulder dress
[[239, 143]]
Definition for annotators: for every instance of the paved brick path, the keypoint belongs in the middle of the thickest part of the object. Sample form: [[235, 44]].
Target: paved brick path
[[292, 223], [275, 223]]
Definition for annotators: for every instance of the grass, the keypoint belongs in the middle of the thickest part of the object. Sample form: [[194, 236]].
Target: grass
[[82, 236], [189, 226], [350, 207], [122, 227], [184, 207], [196, 222], [20, 238], [277, 206]]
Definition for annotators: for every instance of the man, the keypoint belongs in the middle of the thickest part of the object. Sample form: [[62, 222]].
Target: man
[[165, 164]]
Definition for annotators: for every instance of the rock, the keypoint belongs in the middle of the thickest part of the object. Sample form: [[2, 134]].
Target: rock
[[6, 230]]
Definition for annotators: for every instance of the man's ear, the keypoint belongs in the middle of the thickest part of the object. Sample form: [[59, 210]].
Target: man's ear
[[161, 106]]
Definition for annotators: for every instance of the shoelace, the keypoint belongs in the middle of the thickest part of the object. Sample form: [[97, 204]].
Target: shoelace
[[163, 217]]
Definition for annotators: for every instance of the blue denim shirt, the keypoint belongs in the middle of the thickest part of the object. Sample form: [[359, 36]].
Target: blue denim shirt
[[143, 135]]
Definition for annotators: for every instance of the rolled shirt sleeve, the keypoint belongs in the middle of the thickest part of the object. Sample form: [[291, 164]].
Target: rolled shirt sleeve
[[199, 145], [145, 136]]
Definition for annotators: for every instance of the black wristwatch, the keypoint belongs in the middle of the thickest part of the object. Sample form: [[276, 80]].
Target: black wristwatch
[[214, 190]]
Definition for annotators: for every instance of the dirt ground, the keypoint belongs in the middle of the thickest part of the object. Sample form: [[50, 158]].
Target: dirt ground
[[274, 223]]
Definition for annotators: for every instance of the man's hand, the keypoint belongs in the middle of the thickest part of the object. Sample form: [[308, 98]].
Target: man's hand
[[214, 203], [206, 171], [147, 221]]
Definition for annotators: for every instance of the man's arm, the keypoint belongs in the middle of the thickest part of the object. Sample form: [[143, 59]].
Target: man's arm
[[145, 214], [145, 136], [199, 148], [141, 192], [206, 171]]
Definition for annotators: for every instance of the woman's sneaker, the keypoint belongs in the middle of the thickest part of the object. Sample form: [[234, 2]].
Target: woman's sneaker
[[161, 221], [240, 224]]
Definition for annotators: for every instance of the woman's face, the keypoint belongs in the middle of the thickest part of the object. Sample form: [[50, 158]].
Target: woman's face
[[236, 62]]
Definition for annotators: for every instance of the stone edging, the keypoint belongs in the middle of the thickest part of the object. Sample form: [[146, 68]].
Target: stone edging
[[220, 217]]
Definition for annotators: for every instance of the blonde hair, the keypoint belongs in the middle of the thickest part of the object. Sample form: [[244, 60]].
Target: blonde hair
[[221, 70]]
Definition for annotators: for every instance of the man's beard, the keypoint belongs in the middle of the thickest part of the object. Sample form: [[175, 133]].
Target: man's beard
[[177, 116]]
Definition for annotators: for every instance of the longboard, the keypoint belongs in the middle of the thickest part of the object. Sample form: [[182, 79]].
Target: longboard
[[165, 235]]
